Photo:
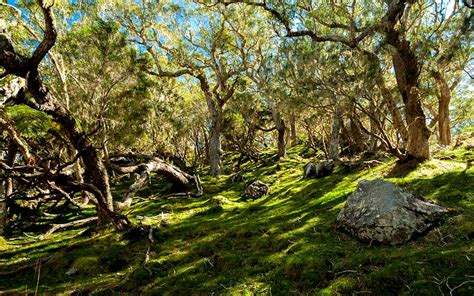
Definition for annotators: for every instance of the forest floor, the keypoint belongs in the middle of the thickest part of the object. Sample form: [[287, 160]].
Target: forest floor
[[284, 243]]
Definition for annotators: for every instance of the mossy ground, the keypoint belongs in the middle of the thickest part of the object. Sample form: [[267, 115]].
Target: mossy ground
[[284, 243]]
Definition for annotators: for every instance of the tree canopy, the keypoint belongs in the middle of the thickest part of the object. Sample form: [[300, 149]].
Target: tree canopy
[[100, 97]]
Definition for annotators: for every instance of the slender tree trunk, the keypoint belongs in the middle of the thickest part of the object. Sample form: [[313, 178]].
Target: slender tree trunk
[[215, 149], [335, 130], [373, 129], [281, 143], [388, 98], [3, 207], [7, 186], [293, 129], [444, 99], [280, 127]]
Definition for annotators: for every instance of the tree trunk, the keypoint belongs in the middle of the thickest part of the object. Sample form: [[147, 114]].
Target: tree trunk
[[281, 143], [292, 129], [280, 127], [356, 135], [407, 72], [335, 130], [373, 129], [418, 133], [174, 174], [6, 189], [3, 207], [93, 166], [444, 98], [215, 149], [388, 97]]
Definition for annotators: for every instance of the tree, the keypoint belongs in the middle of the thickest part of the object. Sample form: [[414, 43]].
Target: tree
[[26, 67], [215, 52], [449, 59], [354, 28]]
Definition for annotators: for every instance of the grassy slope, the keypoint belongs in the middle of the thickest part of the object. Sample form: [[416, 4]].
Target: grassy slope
[[284, 243]]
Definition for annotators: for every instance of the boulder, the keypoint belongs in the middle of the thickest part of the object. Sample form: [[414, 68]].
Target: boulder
[[319, 170], [256, 190], [383, 212], [465, 140]]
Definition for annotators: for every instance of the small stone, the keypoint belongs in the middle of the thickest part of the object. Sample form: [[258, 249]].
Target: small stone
[[71, 271], [256, 189], [319, 170]]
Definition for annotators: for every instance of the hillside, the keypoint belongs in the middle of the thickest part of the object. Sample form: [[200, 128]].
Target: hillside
[[284, 243]]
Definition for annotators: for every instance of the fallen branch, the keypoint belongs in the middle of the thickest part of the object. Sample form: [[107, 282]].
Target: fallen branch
[[157, 165], [179, 178], [147, 254], [56, 227]]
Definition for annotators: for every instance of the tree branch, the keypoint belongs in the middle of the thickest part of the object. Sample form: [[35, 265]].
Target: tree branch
[[50, 35]]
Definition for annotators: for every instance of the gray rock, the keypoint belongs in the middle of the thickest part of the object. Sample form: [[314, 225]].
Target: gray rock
[[256, 190], [383, 212], [319, 170]]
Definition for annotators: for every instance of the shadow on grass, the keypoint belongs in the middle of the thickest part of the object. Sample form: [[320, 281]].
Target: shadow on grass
[[284, 243]]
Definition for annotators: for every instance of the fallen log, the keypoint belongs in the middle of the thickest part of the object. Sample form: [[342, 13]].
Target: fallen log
[[175, 175], [180, 179]]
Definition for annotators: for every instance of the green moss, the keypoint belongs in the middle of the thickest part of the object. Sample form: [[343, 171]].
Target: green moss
[[283, 243], [87, 265]]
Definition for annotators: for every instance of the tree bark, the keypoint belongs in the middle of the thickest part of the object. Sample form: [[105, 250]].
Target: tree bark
[[335, 130], [281, 142], [356, 135], [3, 206], [293, 129], [407, 71], [281, 128], [444, 99], [388, 97], [215, 149]]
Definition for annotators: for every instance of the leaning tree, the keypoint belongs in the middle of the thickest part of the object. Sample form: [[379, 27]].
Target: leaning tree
[[28, 88]]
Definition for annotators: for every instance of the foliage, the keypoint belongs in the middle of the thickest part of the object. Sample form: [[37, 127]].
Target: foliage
[[29, 122]]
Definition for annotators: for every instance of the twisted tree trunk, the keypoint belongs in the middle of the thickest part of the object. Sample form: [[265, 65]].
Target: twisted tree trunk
[[27, 68], [407, 72]]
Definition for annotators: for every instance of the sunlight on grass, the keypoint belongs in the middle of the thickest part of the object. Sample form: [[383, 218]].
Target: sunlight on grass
[[285, 242]]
